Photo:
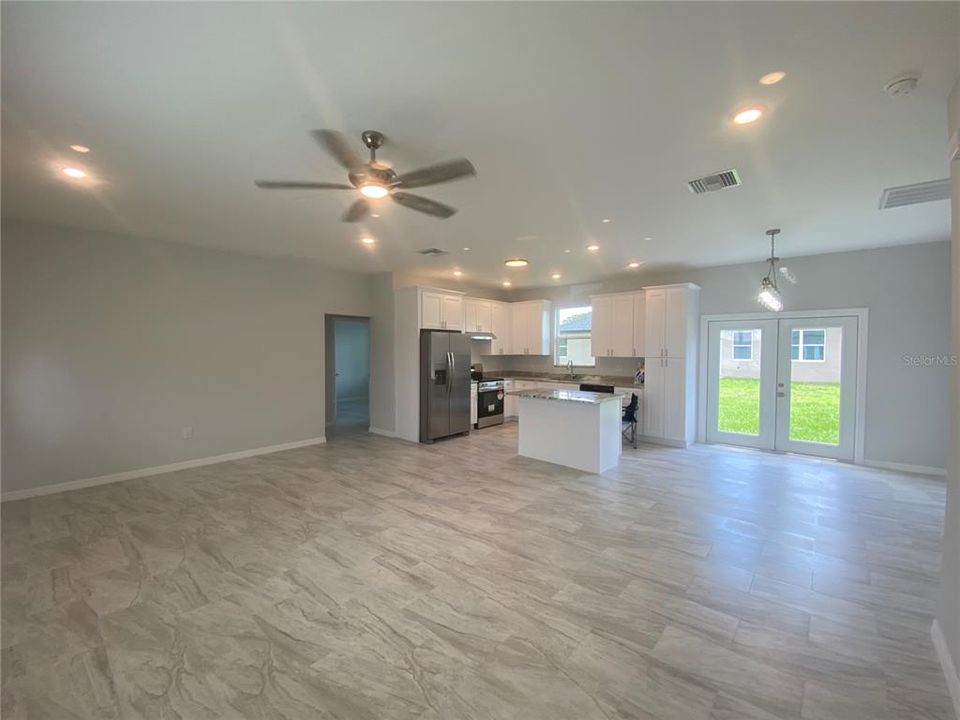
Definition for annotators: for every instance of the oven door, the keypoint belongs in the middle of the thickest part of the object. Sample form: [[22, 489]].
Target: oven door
[[489, 407]]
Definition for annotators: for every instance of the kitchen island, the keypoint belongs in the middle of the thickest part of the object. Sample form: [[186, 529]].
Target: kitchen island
[[570, 427]]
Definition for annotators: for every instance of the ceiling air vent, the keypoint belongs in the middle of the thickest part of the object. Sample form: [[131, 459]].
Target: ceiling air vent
[[914, 194], [711, 183], [432, 251]]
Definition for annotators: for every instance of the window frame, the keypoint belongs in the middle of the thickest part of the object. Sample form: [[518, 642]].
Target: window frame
[[556, 335], [802, 344], [734, 346]]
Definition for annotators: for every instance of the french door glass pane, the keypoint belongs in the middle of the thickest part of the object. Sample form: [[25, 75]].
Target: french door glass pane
[[738, 401], [815, 385]]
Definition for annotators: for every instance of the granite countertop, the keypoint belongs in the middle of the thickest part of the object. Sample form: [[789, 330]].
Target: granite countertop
[[624, 381], [579, 396]]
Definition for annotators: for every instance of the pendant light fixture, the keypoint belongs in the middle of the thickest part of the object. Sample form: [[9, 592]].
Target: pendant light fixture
[[769, 295]]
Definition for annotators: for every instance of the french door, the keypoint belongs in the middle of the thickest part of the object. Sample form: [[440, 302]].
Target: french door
[[785, 384]]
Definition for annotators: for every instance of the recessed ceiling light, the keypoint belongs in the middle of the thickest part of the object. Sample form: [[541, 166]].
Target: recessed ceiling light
[[648, 239], [556, 276], [73, 172], [80, 148], [506, 283], [516, 262], [748, 115], [374, 215], [634, 264], [593, 247], [772, 78], [457, 273], [367, 240], [374, 191], [605, 220], [566, 251]]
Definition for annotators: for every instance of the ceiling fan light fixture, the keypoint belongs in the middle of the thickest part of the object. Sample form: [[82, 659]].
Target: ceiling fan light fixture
[[516, 262], [374, 191]]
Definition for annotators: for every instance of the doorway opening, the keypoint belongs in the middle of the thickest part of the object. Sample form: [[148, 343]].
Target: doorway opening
[[347, 376], [790, 383]]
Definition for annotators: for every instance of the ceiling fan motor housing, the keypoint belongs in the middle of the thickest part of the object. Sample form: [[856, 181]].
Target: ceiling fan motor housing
[[368, 174]]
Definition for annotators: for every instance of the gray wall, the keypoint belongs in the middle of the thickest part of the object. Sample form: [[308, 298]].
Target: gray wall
[[948, 607], [113, 344], [907, 291], [382, 371]]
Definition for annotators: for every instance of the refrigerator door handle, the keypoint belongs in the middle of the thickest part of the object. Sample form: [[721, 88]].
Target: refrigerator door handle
[[449, 372], [453, 368]]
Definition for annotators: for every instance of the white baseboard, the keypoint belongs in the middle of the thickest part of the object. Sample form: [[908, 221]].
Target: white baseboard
[[906, 467], [385, 433], [156, 470], [946, 662]]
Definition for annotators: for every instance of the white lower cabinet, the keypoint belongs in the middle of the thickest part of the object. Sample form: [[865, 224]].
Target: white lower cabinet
[[473, 403], [667, 404]]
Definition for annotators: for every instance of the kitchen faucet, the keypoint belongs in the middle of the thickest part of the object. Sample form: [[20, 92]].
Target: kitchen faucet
[[570, 367]]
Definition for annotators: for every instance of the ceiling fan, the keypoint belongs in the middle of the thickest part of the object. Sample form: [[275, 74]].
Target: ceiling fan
[[376, 180]]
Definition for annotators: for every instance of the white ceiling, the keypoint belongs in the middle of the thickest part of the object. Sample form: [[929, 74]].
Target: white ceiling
[[571, 112]]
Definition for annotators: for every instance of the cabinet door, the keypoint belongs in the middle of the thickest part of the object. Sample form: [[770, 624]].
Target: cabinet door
[[431, 310], [471, 311], [502, 325], [653, 392], [621, 326], [639, 325], [675, 323], [674, 399], [518, 337], [484, 316], [540, 328], [452, 312], [655, 303], [601, 325]]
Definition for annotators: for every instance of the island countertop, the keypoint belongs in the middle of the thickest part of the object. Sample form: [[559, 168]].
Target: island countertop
[[578, 396]]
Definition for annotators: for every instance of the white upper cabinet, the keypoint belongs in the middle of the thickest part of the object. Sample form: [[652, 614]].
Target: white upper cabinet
[[477, 315], [440, 310], [612, 325], [655, 303], [621, 329], [671, 316], [639, 324], [502, 326], [531, 327]]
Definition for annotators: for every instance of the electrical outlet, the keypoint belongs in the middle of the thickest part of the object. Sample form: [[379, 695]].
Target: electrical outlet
[[187, 432]]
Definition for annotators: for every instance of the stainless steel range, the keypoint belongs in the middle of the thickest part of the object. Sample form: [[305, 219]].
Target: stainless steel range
[[489, 397]]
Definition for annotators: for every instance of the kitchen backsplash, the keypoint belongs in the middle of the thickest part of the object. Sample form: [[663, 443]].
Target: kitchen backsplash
[[544, 363]]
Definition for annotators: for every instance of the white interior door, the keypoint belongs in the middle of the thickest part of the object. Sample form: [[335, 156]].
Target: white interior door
[[817, 386], [741, 382]]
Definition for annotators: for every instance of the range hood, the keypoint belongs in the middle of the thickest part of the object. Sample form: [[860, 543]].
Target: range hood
[[481, 335]]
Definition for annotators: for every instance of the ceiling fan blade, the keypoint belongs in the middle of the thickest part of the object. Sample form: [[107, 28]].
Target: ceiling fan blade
[[422, 204], [297, 185], [439, 173], [357, 211], [337, 145]]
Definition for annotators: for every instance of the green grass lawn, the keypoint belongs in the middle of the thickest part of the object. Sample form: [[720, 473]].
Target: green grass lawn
[[814, 409]]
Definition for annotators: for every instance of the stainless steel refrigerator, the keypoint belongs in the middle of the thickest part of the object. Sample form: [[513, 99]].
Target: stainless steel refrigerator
[[444, 384]]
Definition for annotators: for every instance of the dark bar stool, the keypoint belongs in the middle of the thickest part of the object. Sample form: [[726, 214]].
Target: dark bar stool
[[630, 420]]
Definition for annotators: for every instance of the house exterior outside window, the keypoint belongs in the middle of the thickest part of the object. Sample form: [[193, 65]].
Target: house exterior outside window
[[572, 335]]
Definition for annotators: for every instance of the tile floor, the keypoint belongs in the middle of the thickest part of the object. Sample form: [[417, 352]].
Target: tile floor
[[371, 578]]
